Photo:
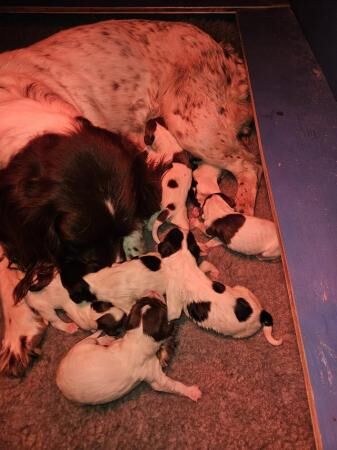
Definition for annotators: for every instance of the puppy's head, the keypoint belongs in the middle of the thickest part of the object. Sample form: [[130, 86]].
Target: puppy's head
[[70, 199], [151, 314], [175, 240]]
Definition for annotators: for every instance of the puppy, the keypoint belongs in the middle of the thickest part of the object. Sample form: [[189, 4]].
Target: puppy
[[231, 311], [97, 370], [86, 315], [71, 188], [244, 234], [176, 183]]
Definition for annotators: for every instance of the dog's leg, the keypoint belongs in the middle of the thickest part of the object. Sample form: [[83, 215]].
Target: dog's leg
[[248, 175], [23, 329], [161, 382]]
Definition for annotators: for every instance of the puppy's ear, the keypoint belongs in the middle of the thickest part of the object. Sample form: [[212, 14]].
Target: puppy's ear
[[228, 200], [193, 246], [155, 322], [111, 326], [225, 228], [150, 129], [171, 243]]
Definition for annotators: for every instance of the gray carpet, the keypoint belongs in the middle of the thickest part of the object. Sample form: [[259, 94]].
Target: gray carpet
[[253, 393]]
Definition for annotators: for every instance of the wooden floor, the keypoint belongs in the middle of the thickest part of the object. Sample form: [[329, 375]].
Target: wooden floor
[[297, 122]]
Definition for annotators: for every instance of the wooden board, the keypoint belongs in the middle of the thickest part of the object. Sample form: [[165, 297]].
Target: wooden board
[[297, 121]]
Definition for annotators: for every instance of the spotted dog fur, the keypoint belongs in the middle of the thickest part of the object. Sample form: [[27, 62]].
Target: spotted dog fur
[[119, 74]]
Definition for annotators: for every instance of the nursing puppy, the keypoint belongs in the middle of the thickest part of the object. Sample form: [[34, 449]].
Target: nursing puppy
[[176, 183], [71, 190], [244, 234], [97, 370], [231, 311], [86, 315]]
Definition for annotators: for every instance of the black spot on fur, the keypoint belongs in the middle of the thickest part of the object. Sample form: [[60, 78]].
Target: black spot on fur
[[218, 287], [182, 157], [151, 262], [242, 309], [171, 206], [266, 318], [100, 306], [198, 311], [172, 183], [171, 243]]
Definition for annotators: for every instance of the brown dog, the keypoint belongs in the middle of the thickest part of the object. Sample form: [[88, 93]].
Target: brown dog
[[117, 75]]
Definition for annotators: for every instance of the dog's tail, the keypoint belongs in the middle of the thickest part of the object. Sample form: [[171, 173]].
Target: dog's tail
[[266, 320]]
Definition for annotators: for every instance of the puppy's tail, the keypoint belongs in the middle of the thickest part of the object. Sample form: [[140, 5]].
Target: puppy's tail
[[161, 218], [266, 320]]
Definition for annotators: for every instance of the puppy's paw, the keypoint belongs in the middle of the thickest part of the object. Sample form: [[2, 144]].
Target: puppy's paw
[[193, 393], [71, 328], [22, 336]]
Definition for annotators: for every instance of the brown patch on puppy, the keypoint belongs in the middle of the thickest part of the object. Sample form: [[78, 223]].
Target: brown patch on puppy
[[110, 325], [182, 157], [226, 227], [150, 128], [163, 215], [198, 311]]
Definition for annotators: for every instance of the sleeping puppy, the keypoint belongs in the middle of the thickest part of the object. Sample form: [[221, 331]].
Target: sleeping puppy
[[231, 311], [71, 190], [98, 370], [244, 234], [86, 315]]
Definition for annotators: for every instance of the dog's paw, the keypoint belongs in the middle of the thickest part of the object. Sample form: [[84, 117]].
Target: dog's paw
[[20, 345], [71, 328], [193, 393]]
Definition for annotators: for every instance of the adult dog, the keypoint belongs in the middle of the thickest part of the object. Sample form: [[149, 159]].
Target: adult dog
[[117, 75]]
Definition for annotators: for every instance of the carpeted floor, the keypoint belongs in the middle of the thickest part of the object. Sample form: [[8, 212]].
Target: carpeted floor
[[254, 395]]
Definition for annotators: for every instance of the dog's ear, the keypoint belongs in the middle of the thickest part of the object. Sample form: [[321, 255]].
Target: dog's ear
[[228, 200], [193, 246], [150, 129], [111, 326], [155, 321], [225, 228], [171, 243]]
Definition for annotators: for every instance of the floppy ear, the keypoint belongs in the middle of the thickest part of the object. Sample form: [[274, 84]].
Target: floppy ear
[[110, 325], [225, 228], [150, 128], [155, 322], [171, 243], [193, 246], [228, 200]]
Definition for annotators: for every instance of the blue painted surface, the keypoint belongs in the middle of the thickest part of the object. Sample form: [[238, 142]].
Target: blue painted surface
[[297, 118]]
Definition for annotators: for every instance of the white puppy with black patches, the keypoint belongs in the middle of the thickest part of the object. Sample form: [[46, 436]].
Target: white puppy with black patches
[[176, 184], [85, 315], [244, 234], [232, 311], [98, 370]]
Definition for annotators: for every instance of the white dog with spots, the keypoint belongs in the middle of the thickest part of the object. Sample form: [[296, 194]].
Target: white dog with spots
[[100, 369], [116, 75], [244, 234], [232, 311]]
